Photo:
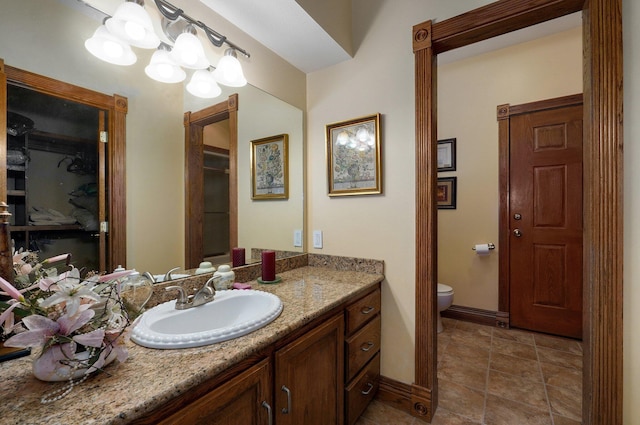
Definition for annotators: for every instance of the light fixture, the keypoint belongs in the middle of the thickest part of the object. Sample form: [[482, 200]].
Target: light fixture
[[162, 68], [110, 48], [133, 24], [229, 71], [203, 84], [188, 51]]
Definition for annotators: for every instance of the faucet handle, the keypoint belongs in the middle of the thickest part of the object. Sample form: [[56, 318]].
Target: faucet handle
[[182, 299], [168, 276]]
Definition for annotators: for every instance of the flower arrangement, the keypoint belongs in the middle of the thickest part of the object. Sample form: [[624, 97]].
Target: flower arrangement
[[73, 324]]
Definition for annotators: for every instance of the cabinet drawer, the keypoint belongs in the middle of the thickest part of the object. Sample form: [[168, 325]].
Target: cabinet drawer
[[362, 390], [362, 346], [362, 311]]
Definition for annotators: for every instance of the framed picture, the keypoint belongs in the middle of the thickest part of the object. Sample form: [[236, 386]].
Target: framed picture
[[354, 157], [270, 167], [447, 155], [446, 193]]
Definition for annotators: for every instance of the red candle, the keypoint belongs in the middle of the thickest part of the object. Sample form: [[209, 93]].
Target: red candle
[[268, 266], [237, 257]]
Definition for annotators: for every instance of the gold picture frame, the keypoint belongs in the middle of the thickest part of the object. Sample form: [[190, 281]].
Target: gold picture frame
[[270, 167], [354, 157]]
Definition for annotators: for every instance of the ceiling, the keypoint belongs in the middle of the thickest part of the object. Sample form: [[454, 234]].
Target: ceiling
[[284, 27]]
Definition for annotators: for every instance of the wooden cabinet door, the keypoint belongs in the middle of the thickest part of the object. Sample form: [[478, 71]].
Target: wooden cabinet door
[[241, 401], [309, 377]]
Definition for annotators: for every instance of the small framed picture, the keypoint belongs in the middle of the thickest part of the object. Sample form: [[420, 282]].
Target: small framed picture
[[354, 157], [446, 193], [270, 167], [447, 155]]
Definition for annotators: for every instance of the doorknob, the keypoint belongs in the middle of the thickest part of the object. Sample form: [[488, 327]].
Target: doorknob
[[517, 233]]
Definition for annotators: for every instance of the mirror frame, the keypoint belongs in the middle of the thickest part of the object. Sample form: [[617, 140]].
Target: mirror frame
[[602, 401], [194, 123], [116, 106]]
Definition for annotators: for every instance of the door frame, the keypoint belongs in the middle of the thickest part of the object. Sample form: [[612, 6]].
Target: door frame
[[194, 123], [504, 113], [602, 202], [116, 106]]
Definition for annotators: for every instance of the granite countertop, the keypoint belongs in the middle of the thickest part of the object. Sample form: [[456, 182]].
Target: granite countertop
[[151, 377]]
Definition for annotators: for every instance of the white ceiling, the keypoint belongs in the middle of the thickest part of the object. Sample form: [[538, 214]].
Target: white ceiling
[[285, 28]]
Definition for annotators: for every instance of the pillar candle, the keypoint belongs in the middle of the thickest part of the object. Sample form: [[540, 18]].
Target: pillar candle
[[268, 266], [237, 257]]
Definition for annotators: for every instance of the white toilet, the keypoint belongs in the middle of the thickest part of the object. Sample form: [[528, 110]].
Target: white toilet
[[445, 299]]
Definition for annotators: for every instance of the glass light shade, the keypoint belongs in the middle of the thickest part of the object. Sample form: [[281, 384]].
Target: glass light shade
[[203, 84], [162, 68], [110, 48], [343, 138], [133, 24], [229, 71], [188, 52]]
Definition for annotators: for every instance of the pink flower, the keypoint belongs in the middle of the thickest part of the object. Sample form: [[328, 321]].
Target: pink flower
[[70, 290], [10, 290], [115, 275], [57, 258], [7, 318]]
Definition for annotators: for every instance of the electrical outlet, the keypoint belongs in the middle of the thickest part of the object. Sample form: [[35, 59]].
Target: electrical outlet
[[297, 237], [317, 238]]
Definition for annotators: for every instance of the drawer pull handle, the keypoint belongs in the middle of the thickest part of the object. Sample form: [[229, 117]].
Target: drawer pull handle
[[367, 346], [266, 406], [367, 310], [288, 408], [368, 390]]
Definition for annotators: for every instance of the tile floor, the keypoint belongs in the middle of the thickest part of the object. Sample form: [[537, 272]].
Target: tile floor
[[495, 376]]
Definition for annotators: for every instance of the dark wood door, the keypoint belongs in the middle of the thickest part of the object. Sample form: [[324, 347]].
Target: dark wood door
[[545, 208], [309, 377]]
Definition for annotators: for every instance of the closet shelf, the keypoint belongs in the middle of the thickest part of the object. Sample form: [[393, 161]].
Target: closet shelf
[[52, 227], [16, 193]]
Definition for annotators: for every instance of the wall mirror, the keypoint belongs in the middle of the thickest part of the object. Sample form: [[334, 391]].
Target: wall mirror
[[602, 286], [54, 49]]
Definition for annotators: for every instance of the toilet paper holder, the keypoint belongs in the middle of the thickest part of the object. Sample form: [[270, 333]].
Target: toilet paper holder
[[491, 246]]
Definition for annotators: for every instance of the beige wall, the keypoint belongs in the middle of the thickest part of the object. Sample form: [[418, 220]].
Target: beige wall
[[631, 15], [216, 134], [468, 92]]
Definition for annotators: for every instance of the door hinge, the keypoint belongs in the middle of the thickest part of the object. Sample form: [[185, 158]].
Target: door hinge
[[104, 136], [104, 226]]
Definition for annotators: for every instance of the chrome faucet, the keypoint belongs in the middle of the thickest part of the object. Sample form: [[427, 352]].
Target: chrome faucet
[[167, 276], [203, 296]]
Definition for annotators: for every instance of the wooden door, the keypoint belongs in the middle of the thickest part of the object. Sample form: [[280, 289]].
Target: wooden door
[[244, 400], [545, 221], [309, 376]]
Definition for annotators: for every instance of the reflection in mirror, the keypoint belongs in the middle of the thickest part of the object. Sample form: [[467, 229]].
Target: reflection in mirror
[[265, 223]]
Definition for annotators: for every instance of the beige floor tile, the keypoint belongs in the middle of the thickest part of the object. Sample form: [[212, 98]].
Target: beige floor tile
[[524, 368], [558, 343], [514, 335], [561, 420], [513, 348], [477, 356], [475, 328], [382, 414], [559, 358], [461, 400], [445, 417], [364, 421], [464, 372], [560, 376], [517, 389], [473, 338], [565, 402], [501, 411]]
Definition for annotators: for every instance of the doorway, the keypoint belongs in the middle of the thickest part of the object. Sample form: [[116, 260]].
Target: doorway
[[541, 215]]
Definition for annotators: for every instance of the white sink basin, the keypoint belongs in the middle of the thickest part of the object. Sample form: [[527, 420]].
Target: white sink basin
[[160, 277], [231, 314]]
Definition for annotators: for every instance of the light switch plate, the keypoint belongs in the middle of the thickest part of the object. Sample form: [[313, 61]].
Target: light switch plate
[[297, 237], [317, 238]]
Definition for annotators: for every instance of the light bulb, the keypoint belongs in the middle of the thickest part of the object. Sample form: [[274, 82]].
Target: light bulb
[[134, 30]]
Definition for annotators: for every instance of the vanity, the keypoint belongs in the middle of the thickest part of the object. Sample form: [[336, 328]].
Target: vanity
[[318, 362]]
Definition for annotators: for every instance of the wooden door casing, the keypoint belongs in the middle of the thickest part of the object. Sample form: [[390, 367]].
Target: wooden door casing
[[545, 220]]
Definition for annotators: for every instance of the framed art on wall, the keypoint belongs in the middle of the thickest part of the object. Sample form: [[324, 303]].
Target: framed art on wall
[[447, 155], [354, 157], [446, 193], [270, 167]]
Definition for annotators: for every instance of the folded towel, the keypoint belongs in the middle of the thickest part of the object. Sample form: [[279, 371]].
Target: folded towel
[[238, 285]]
